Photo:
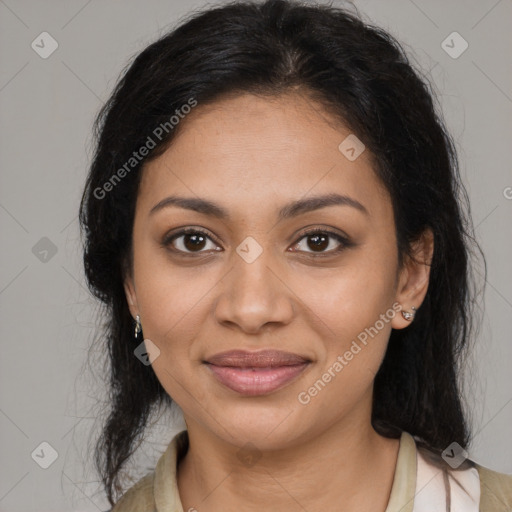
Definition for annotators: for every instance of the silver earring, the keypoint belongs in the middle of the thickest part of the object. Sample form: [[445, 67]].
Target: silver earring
[[408, 315], [138, 326]]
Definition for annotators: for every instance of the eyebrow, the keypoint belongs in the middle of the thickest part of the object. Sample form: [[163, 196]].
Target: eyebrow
[[290, 210]]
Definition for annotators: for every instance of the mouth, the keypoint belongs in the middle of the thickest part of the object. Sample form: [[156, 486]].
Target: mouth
[[256, 373]]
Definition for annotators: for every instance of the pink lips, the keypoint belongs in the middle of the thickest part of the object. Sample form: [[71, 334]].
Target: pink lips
[[256, 373]]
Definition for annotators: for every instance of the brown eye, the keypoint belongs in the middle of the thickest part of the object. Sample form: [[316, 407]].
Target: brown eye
[[197, 241], [318, 241], [193, 242], [190, 240]]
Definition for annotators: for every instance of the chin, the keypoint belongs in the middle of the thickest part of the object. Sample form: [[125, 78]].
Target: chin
[[267, 426]]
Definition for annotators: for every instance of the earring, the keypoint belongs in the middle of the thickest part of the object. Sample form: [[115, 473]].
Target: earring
[[408, 315], [138, 326]]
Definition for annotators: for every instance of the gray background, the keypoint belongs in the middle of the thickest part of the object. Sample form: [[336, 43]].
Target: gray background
[[47, 393]]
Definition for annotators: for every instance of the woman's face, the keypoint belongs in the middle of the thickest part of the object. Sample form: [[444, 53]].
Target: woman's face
[[253, 280]]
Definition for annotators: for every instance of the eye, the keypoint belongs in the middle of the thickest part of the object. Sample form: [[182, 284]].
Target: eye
[[320, 240], [189, 241], [195, 240]]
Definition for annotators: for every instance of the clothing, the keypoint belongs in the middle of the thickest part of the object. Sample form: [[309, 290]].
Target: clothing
[[418, 485]]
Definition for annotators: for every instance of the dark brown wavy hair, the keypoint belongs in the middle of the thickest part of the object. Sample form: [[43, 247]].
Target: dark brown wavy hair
[[363, 77]]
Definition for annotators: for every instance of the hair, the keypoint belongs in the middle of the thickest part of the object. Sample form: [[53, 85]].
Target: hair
[[362, 76]]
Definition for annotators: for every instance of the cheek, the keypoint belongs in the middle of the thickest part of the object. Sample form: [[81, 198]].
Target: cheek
[[353, 296], [170, 299], [359, 316], [356, 312], [172, 314]]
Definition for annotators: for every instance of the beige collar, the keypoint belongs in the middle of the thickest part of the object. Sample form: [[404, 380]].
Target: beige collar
[[401, 498]]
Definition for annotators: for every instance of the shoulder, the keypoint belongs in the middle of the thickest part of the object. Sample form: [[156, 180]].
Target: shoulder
[[496, 490], [159, 487], [469, 484], [138, 498]]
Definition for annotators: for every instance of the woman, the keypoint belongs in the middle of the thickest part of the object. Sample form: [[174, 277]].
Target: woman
[[275, 221]]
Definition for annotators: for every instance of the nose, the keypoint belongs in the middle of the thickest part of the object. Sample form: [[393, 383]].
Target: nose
[[253, 296]]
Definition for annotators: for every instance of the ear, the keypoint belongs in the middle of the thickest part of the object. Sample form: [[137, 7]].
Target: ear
[[131, 296], [414, 277]]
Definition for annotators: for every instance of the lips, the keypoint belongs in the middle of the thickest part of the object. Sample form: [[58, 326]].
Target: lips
[[261, 359], [256, 373]]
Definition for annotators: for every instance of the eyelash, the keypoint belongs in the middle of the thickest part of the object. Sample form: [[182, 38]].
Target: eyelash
[[344, 242]]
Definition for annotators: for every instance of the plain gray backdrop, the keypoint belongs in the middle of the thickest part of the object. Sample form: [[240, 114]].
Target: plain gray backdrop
[[48, 319]]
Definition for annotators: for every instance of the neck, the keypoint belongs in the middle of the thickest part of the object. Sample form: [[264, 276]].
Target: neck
[[349, 469]]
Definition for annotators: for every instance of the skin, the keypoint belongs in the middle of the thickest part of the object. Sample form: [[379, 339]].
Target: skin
[[252, 155]]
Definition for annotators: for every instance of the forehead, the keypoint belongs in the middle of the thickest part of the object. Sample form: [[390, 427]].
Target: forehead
[[259, 151]]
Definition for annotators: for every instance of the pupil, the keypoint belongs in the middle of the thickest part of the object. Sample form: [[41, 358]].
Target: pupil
[[320, 241], [196, 240]]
